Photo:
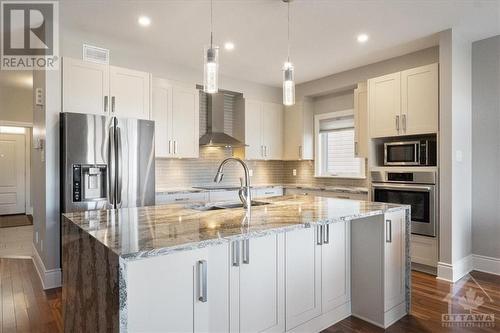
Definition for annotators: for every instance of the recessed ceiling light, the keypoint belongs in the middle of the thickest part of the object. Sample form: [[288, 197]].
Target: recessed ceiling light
[[229, 46], [362, 38], [144, 21]]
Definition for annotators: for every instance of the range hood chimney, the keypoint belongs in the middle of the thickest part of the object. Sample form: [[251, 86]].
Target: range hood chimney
[[215, 136]]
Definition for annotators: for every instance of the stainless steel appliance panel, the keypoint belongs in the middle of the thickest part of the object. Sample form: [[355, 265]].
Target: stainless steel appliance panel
[[135, 163], [83, 145]]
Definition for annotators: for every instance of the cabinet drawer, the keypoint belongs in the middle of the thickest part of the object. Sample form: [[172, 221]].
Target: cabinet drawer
[[181, 197]]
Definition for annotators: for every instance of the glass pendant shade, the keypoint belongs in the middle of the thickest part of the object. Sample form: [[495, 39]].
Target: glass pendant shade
[[288, 84], [211, 69]]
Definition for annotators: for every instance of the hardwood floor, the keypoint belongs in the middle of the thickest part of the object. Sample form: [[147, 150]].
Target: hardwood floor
[[25, 307]]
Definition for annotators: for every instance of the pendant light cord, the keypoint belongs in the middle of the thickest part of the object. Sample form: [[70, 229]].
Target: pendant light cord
[[288, 51], [211, 23]]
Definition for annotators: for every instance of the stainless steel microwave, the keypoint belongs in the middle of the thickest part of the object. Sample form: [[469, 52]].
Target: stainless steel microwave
[[417, 153]]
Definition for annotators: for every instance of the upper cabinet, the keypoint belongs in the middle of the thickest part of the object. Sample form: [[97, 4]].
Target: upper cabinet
[[106, 90], [298, 132], [176, 112], [419, 100], [260, 126], [361, 120], [404, 103]]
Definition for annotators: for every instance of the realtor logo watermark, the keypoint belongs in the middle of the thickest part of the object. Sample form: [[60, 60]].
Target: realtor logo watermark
[[469, 315], [30, 35]]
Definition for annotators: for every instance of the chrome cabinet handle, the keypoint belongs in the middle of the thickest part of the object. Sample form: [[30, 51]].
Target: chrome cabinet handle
[[265, 151], [235, 248], [175, 147], [202, 281], [404, 122], [111, 166], [113, 104], [319, 235], [397, 123], [170, 146], [119, 169], [246, 251], [181, 199], [326, 234], [388, 231], [105, 104], [262, 151], [356, 148]]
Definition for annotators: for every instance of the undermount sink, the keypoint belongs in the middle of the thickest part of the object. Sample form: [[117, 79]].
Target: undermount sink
[[224, 205]]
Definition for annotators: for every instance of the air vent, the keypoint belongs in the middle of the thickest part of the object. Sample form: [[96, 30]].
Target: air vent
[[95, 54]]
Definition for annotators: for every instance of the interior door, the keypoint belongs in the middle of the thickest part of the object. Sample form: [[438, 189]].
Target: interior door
[[185, 122], [130, 93], [85, 87], [272, 123], [12, 174]]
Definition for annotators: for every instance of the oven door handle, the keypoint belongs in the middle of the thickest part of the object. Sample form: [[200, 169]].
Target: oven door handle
[[419, 188]]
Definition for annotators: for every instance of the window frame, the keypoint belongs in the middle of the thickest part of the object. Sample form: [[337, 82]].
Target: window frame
[[320, 147]]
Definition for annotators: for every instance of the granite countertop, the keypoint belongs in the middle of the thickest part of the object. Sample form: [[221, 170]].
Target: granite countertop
[[135, 233], [342, 189]]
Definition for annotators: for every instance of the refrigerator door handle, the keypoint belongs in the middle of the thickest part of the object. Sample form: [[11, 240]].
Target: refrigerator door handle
[[118, 166], [111, 166]]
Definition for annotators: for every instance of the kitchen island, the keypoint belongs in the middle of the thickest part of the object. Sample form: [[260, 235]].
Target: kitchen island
[[186, 268]]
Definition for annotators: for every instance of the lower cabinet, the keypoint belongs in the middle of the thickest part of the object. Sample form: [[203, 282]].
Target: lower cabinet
[[257, 285], [182, 292], [317, 271]]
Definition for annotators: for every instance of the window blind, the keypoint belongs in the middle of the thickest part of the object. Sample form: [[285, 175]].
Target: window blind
[[340, 157]]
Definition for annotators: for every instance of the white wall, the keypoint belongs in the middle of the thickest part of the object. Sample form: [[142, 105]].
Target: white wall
[[334, 102], [455, 244], [486, 147], [15, 97]]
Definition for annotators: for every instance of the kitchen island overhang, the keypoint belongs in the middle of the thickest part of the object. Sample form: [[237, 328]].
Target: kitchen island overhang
[[100, 247]]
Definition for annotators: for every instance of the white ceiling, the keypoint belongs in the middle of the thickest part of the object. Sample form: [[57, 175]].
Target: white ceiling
[[323, 31]]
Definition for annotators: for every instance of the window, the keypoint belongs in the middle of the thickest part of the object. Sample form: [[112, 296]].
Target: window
[[335, 146]]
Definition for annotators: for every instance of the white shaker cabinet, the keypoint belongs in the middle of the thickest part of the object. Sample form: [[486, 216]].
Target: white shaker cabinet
[[361, 120], [85, 87], [257, 285], [176, 115], [106, 90], [302, 275], [385, 105], [404, 103], [298, 132], [420, 100], [260, 126], [181, 292], [130, 93]]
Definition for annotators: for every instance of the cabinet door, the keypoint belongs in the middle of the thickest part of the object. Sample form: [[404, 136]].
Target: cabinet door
[[85, 87], [261, 286], [302, 276], [384, 105], [394, 259], [293, 132], [336, 266], [185, 122], [361, 121], [253, 130], [419, 100], [272, 122], [162, 116], [163, 292], [130, 93]]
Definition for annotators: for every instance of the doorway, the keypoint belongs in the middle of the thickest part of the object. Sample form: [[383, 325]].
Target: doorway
[[16, 122]]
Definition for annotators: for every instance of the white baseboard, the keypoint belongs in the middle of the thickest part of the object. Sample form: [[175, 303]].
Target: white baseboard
[[453, 273], [50, 278], [29, 210], [486, 264], [324, 320]]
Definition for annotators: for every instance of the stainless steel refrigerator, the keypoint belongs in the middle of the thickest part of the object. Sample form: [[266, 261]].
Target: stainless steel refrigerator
[[106, 162]]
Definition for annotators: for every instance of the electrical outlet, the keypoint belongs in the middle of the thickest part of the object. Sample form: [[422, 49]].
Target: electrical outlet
[[294, 172], [459, 156], [250, 172]]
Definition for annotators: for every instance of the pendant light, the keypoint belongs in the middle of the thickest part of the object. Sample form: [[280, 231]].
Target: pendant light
[[288, 70], [211, 62]]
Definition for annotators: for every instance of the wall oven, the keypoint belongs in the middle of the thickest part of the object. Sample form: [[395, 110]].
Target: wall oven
[[417, 189], [414, 153]]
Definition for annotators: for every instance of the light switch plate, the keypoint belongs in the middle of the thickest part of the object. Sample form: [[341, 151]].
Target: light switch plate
[[250, 172], [294, 172], [459, 156], [39, 96]]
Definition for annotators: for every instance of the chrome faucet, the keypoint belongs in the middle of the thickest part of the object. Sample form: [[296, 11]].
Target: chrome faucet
[[244, 192]]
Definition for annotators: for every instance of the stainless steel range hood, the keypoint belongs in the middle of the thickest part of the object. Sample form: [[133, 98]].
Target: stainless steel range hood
[[215, 136]]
